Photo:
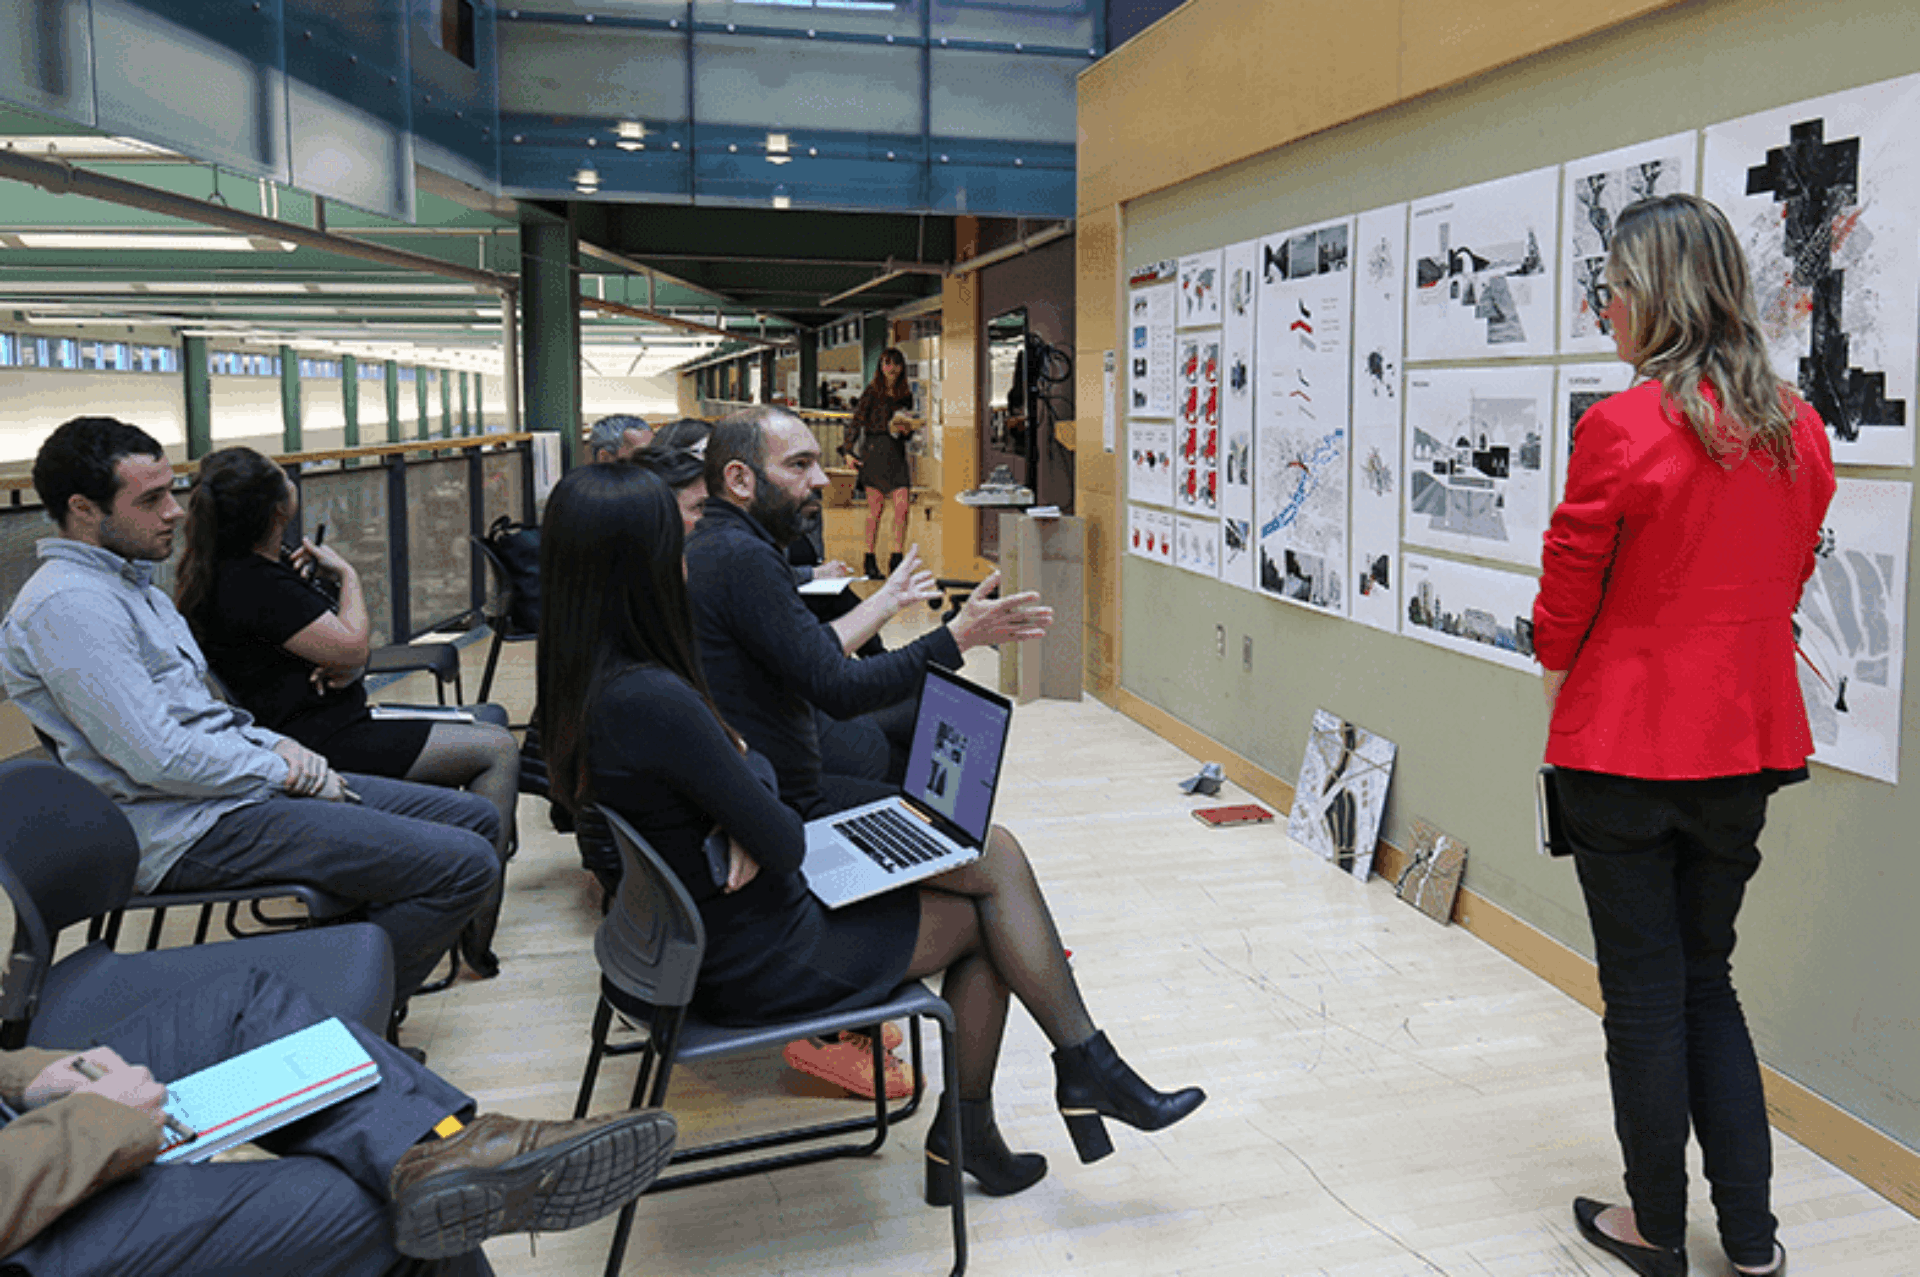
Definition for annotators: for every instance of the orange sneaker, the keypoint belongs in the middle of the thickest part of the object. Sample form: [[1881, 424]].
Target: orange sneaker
[[848, 1064]]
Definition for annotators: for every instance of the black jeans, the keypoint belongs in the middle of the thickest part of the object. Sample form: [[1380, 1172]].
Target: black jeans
[[1664, 866]]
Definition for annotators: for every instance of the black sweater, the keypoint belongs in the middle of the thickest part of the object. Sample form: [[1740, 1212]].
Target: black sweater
[[767, 660]]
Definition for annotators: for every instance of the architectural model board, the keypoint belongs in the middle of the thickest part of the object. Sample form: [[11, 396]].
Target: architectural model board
[[1152, 307], [1825, 197], [1597, 188], [1481, 270], [1581, 386], [1200, 285], [1241, 264], [1196, 434], [1476, 464], [1851, 627], [1342, 794], [1303, 326], [1482, 612], [1379, 392]]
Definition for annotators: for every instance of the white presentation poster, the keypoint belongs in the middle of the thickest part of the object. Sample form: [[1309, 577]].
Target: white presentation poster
[[1379, 317], [1483, 612], [1150, 462], [1241, 263], [1152, 305], [1825, 197], [1150, 533], [1196, 457], [1476, 460], [1482, 270], [1196, 544], [1301, 414], [1597, 188], [1581, 387], [1852, 629], [1200, 289]]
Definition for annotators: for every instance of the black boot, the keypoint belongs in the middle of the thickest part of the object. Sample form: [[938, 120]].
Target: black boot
[[999, 1170], [872, 568], [893, 562], [1092, 1082]]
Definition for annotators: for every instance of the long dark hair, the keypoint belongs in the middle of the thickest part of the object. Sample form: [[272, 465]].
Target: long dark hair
[[880, 385], [236, 497], [613, 595]]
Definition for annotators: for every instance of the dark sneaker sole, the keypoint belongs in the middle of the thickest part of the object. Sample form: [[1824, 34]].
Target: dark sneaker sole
[[546, 1191]]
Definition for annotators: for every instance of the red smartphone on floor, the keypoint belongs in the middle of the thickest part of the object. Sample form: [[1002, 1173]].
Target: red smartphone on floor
[[1235, 814]]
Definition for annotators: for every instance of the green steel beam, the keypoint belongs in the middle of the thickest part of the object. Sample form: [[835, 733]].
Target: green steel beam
[[393, 401], [290, 439], [350, 398], [198, 386]]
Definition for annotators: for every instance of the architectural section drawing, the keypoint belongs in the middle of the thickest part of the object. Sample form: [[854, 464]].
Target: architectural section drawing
[[1379, 318], [1196, 459], [1304, 323], [1851, 628], [1152, 307], [1825, 196], [1581, 387], [1481, 270], [1240, 262], [1150, 462], [1150, 533], [1200, 285], [1597, 188], [1342, 793], [1196, 545], [1476, 476], [1480, 611]]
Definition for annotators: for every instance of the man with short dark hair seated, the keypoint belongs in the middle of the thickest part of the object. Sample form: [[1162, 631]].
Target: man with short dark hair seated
[[100, 661], [399, 1179], [767, 660], [617, 438]]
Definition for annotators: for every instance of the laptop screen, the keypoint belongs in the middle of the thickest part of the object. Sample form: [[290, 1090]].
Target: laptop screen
[[959, 737]]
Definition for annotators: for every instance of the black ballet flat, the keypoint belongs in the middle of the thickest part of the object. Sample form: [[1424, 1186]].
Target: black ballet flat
[[1779, 1268], [1648, 1261]]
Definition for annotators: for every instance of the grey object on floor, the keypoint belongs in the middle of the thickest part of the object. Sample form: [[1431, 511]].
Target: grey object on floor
[[1206, 781]]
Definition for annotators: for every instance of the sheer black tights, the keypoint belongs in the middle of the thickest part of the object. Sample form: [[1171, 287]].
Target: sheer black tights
[[988, 927]]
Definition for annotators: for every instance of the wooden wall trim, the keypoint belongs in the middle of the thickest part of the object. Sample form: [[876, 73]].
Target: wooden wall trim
[[1882, 1163]]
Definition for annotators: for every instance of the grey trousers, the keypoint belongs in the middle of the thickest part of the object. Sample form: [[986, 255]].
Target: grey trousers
[[320, 1210], [419, 857]]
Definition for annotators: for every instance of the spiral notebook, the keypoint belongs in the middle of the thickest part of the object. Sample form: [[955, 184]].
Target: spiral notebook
[[262, 1090]]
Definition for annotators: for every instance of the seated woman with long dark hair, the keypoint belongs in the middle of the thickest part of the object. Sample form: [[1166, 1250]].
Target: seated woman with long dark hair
[[629, 724], [291, 654]]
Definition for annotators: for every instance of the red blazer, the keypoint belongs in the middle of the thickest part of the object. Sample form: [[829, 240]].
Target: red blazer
[[1667, 594]]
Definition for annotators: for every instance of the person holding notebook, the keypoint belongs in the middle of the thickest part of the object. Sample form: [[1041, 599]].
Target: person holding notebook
[[629, 723], [402, 1180]]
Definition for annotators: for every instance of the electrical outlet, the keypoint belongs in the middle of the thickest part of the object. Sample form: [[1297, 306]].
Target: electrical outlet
[[1246, 653], [1219, 640]]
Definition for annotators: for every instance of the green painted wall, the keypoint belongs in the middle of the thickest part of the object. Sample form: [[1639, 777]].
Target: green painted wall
[[1829, 947]]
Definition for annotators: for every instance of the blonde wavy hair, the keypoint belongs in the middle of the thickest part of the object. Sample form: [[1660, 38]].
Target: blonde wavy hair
[[1692, 324]]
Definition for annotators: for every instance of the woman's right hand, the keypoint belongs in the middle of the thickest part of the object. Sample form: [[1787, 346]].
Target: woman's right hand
[[323, 557], [741, 867]]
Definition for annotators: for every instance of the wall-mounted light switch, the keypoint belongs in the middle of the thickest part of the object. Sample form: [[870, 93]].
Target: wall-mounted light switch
[[1246, 653], [1219, 640]]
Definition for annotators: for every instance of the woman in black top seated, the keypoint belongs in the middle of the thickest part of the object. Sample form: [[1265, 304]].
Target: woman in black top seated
[[628, 723], [292, 653]]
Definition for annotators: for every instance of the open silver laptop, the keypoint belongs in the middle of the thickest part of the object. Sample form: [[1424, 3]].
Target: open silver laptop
[[941, 818]]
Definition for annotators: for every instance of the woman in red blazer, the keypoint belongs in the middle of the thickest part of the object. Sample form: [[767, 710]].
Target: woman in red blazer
[[1664, 622]]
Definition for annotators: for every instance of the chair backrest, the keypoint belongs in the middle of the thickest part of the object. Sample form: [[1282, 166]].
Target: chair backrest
[[66, 854], [650, 943], [512, 552]]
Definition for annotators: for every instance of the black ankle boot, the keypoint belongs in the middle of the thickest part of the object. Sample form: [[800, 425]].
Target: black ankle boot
[[872, 568], [1092, 1082], [893, 562], [999, 1170]]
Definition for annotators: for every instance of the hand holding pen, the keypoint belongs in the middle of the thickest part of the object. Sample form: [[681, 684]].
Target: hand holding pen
[[135, 1092]]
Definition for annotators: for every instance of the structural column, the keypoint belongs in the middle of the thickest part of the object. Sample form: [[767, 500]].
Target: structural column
[[810, 368], [290, 437], [350, 398], [198, 383], [873, 340], [446, 403], [393, 402], [550, 331], [420, 395]]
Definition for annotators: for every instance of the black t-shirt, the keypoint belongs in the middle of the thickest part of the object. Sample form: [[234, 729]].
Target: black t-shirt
[[257, 605]]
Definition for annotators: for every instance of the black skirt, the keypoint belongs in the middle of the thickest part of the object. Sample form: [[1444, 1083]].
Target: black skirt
[[374, 747]]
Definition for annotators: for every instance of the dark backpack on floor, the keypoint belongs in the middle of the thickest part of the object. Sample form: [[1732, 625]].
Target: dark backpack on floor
[[518, 547]]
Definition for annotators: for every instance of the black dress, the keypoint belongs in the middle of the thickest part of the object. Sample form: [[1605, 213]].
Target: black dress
[[657, 755], [257, 605], [883, 454]]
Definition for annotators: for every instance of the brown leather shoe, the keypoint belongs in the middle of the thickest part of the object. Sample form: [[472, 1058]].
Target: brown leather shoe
[[504, 1175]]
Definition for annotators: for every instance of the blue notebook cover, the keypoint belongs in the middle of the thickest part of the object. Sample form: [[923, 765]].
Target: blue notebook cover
[[264, 1089]]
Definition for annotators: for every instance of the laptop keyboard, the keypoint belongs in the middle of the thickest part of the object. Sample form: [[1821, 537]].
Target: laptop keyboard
[[892, 839]]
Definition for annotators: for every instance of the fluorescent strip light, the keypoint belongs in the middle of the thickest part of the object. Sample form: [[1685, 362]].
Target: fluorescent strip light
[[117, 241]]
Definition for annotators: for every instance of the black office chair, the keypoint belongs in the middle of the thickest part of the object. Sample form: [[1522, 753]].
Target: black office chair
[[498, 612], [649, 947], [68, 855]]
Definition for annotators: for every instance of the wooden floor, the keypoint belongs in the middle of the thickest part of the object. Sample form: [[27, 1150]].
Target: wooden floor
[[1387, 1096]]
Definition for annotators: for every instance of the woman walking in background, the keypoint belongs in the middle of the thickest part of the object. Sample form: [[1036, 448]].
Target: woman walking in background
[[1664, 620], [876, 440]]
